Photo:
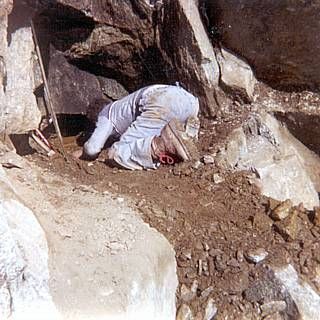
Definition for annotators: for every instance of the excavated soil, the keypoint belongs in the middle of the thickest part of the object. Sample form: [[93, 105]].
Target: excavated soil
[[212, 218]]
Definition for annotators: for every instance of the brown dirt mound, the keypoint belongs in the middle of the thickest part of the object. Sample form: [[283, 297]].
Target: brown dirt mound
[[211, 217]]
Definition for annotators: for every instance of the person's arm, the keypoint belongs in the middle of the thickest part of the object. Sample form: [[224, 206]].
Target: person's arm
[[98, 138]]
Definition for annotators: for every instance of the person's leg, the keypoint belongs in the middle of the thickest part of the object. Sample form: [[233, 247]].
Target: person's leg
[[99, 137], [133, 150]]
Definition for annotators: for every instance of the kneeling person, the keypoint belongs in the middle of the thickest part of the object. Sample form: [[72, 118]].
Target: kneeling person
[[149, 125]]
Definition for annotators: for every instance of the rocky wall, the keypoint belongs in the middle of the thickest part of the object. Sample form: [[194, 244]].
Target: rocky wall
[[280, 39], [18, 106]]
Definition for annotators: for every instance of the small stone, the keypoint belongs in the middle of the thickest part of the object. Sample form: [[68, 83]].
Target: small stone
[[282, 211], [199, 245], [198, 316], [215, 252], [289, 227], [275, 316], [240, 255], [273, 203], [208, 159], [273, 307], [199, 267], [316, 218], [220, 263], [186, 294], [191, 274], [262, 222], [233, 263], [187, 254], [205, 293], [184, 313], [217, 178], [256, 255], [196, 165], [211, 310], [205, 246], [194, 287]]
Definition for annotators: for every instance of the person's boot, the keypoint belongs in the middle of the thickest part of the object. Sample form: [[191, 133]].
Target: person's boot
[[173, 144]]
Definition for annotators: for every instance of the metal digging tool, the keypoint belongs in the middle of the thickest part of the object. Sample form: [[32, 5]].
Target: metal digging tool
[[47, 92]]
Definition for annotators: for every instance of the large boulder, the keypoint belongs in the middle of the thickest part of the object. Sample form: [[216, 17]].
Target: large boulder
[[113, 38], [24, 273], [280, 39], [190, 52], [136, 42], [105, 262], [284, 167], [305, 298], [18, 107]]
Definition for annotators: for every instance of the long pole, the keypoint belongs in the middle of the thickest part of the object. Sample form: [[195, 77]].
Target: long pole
[[47, 91]]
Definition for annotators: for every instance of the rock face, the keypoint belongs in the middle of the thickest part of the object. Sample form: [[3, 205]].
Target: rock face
[[19, 111], [137, 42], [113, 38], [305, 298], [280, 162], [72, 90], [280, 39], [190, 53], [237, 77], [24, 274], [99, 264]]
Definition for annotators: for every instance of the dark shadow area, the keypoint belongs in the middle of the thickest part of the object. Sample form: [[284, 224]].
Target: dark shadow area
[[73, 124], [60, 26], [19, 17], [22, 145], [304, 127]]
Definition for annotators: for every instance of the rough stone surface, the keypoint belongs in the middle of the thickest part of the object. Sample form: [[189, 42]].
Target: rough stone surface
[[184, 313], [280, 39], [190, 52], [100, 266], [211, 310], [72, 90], [316, 219], [305, 298], [289, 227], [20, 110], [273, 307], [112, 89], [282, 210], [24, 273], [236, 75], [278, 160]]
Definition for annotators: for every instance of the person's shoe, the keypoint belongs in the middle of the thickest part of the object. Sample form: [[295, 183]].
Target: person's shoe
[[173, 144]]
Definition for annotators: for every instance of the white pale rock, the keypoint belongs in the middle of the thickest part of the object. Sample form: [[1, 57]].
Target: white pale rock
[[305, 298], [273, 307], [184, 313], [256, 255], [236, 74], [211, 310], [20, 110], [208, 159], [279, 160], [194, 56], [23, 260]]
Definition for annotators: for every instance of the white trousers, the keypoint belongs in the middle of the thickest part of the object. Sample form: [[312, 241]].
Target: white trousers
[[157, 105]]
